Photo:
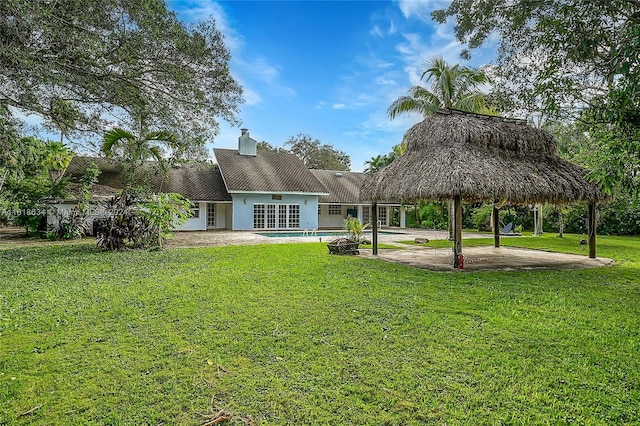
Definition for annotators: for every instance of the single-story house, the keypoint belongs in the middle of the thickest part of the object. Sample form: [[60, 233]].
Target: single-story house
[[256, 190]]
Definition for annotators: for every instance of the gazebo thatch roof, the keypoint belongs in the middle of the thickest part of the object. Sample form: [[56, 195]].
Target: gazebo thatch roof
[[480, 158]]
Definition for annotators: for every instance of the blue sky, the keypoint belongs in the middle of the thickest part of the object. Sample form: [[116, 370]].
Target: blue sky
[[329, 69]]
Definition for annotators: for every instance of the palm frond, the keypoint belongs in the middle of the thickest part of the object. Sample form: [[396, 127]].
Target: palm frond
[[419, 101], [113, 138], [472, 102]]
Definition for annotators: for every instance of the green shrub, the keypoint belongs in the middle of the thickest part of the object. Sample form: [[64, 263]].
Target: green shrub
[[141, 221]]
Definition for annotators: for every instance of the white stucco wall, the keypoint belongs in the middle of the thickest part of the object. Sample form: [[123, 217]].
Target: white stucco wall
[[228, 216], [223, 216], [336, 221], [64, 209], [222, 210], [243, 208], [196, 223]]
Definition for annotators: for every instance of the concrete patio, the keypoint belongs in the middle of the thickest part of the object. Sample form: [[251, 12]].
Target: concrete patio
[[488, 258]]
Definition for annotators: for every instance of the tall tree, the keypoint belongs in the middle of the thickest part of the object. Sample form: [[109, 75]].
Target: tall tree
[[317, 155], [376, 163], [75, 61], [578, 60], [379, 162], [451, 87], [266, 146]]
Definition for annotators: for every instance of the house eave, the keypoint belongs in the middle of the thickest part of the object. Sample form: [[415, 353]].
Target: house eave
[[280, 193]]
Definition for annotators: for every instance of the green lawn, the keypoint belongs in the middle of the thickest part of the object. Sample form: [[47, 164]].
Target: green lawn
[[288, 334]]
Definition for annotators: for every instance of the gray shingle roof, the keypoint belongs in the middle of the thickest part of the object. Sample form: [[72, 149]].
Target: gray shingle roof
[[266, 172], [343, 187], [201, 182]]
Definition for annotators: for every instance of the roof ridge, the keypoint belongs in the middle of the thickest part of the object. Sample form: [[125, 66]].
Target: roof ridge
[[449, 111]]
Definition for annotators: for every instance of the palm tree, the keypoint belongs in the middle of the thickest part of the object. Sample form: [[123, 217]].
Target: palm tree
[[135, 150], [376, 163], [451, 87], [57, 159], [379, 162]]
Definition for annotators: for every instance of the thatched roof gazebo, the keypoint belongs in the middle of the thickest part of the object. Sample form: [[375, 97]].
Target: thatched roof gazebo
[[466, 157]]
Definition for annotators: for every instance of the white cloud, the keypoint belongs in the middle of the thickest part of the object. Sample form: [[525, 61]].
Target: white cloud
[[263, 70], [338, 106], [416, 53], [251, 97], [392, 28], [197, 10], [287, 92], [383, 24], [376, 31], [386, 81], [421, 9]]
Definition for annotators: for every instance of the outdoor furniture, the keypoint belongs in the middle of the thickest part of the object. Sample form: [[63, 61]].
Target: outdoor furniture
[[508, 230], [343, 246]]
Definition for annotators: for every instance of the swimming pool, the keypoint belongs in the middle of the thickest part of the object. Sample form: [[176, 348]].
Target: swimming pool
[[290, 234]]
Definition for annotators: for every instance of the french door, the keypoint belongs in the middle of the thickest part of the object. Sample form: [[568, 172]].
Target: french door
[[211, 216], [276, 216]]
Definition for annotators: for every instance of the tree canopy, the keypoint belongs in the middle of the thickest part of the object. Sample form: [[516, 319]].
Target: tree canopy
[[312, 152], [578, 60], [266, 146], [317, 155], [79, 63]]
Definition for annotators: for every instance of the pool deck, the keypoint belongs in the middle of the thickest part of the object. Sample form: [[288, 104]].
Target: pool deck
[[224, 237]]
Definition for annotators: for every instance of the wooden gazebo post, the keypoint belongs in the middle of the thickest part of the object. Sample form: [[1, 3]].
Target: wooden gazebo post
[[457, 230], [496, 225], [591, 229], [374, 219]]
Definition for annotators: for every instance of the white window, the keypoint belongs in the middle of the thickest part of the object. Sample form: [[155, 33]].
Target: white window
[[258, 216], [335, 209], [195, 210], [271, 216], [382, 215], [282, 215], [366, 214], [294, 216]]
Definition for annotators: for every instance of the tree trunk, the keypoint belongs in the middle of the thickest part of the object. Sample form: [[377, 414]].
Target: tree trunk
[[451, 220], [4, 178], [592, 229], [495, 219], [457, 219], [374, 217], [561, 220]]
